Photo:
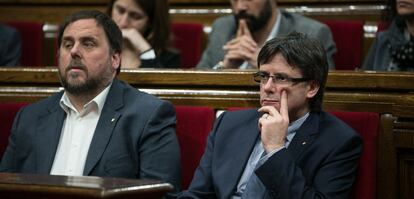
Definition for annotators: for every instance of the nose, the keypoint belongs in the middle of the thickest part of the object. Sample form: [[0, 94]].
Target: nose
[[75, 51], [269, 85], [272, 87], [240, 5], [123, 21]]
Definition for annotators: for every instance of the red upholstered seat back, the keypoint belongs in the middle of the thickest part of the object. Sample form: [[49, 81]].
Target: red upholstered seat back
[[366, 124], [348, 37], [193, 127], [382, 26], [32, 42], [7, 113], [188, 39]]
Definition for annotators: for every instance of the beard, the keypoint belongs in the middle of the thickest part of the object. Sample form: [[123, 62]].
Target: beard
[[256, 23], [77, 87]]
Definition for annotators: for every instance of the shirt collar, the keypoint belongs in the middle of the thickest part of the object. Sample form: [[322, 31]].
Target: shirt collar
[[97, 102], [275, 28]]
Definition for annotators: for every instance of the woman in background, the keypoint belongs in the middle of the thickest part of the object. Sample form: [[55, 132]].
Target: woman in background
[[145, 26], [393, 49]]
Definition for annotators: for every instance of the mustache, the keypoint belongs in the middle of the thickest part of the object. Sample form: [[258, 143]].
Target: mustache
[[244, 15], [76, 64]]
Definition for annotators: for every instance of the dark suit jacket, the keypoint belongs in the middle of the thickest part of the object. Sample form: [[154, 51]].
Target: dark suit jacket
[[166, 59], [134, 138], [10, 46], [320, 161]]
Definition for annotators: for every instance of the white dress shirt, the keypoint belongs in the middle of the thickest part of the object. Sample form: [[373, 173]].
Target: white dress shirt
[[76, 136]]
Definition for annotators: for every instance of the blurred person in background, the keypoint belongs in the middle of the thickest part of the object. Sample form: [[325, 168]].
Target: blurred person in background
[[10, 46], [145, 26], [235, 40], [393, 49]]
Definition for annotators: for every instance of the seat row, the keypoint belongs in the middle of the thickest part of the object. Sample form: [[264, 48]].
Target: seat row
[[195, 122], [189, 38]]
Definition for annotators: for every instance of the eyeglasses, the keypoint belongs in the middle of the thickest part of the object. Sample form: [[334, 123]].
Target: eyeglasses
[[281, 79]]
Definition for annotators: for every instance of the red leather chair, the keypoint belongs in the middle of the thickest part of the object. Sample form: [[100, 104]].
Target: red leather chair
[[367, 125], [32, 42], [188, 39], [193, 127], [7, 113], [348, 37]]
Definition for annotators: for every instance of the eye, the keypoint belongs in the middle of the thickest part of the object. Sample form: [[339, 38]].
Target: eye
[[281, 78], [264, 75], [120, 10], [67, 44], [136, 16], [89, 44]]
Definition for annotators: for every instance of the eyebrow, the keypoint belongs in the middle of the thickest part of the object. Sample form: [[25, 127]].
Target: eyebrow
[[120, 7], [88, 38], [84, 38], [67, 38], [284, 74]]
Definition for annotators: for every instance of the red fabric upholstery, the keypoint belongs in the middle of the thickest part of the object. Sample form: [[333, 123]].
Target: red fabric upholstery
[[382, 26], [7, 113], [32, 42], [366, 124], [188, 39], [193, 127], [348, 37]]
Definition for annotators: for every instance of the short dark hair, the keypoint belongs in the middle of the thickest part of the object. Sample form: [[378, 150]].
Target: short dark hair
[[112, 32], [303, 53], [158, 33]]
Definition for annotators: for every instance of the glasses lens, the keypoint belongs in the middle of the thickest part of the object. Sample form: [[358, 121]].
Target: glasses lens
[[257, 77]]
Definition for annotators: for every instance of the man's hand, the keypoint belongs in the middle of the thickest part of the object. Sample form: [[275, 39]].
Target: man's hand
[[274, 124], [240, 49], [138, 42]]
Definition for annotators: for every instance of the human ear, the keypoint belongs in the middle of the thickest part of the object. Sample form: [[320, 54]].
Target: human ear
[[313, 88]]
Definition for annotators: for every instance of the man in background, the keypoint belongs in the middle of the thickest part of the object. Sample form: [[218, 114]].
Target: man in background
[[10, 46], [235, 40]]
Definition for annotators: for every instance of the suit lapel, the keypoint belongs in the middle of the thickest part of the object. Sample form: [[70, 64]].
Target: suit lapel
[[47, 135], [244, 144], [304, 135], [105, 126]]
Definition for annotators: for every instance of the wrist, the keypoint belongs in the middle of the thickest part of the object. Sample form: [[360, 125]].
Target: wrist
[[148, 54]]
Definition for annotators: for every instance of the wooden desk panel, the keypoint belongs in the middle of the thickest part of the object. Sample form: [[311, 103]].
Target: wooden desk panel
[[19, 186], [380, 92]]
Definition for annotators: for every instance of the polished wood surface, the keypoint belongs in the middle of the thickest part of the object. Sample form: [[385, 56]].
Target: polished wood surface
[[381, 92], [19, 186], [389, 94]]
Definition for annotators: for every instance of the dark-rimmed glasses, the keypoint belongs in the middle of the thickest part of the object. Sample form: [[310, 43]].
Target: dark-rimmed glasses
[[281, 79]]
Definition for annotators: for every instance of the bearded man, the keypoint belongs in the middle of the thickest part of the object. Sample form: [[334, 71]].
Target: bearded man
[[99, 125], [235, 40]]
